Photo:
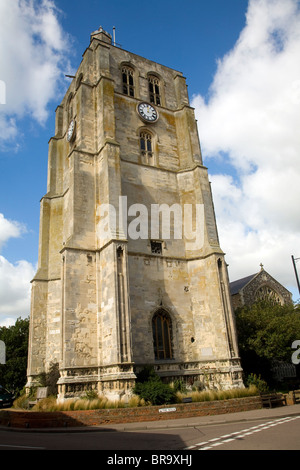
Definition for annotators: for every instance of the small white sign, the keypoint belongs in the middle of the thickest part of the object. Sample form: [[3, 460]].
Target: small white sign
[[166, 410]]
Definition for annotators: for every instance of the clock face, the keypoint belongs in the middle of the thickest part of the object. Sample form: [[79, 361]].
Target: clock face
[[147, 112], [71, 131]]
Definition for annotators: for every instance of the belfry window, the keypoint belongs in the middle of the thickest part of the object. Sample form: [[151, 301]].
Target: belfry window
[[162, 335], [154, 90], [127, 81], [146, 144]]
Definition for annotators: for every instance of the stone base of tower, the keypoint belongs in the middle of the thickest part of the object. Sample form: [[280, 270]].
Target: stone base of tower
[[223, 374], [115, 382]]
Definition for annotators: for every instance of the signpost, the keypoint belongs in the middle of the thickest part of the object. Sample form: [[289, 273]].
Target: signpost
[[296, 273]]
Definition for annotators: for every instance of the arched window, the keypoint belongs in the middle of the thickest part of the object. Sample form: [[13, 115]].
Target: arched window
[[266, 294], [154, 90], [162, 335], [70, 108], [127, 81], [146, 144]]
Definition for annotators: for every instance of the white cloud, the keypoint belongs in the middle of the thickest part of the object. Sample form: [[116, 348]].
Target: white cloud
[[14, 278], [14, 289], [9, 229], [33, 50], [33, 60], [252, 117]]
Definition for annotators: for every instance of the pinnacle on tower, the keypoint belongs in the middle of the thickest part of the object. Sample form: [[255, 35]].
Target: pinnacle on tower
[[102, 35]]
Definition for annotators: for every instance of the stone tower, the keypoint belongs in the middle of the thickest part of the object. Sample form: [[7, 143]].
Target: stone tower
[[130, 268]]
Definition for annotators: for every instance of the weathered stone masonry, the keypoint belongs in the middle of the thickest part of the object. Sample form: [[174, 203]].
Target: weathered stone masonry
[[99, 302]]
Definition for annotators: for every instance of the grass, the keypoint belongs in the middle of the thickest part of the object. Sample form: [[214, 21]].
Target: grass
[[213, 395], [50, 404]]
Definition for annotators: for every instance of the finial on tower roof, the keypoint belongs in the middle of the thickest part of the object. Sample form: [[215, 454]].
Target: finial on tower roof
[[102, 35]]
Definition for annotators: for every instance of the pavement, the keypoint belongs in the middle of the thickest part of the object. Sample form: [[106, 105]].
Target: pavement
[[244, 416], [197, 421]]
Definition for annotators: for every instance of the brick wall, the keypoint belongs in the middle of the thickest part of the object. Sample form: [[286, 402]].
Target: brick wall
[[33, 420]]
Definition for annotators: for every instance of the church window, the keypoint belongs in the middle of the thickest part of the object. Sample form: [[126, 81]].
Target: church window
[[70, 107], [154, 90], [266, 294], [162, 335], [146, 144], [127, 80]]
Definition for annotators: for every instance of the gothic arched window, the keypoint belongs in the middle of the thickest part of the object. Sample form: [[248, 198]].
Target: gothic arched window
[[146, 144], [162, 335], [154, 90], [70, 108], [127, 81], [266, 294]]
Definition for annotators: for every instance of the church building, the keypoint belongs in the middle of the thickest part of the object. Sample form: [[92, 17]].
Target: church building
[[258, 287], [130, 269]]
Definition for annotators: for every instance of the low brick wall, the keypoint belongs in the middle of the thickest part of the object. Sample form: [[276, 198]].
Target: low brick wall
[[38, 420]]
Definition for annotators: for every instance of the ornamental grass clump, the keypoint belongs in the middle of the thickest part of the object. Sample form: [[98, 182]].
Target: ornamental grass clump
[[213, 395]]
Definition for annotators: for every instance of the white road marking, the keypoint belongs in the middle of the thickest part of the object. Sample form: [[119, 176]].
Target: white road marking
[[239, 434]]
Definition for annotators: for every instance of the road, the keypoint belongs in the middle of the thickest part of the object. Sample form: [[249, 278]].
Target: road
[[266, 433]]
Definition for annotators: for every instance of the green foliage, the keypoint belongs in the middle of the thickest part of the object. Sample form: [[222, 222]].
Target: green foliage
[[13, 373], [179, 386], [147, 374], [268, 329], [90, 395], [49, 379], [266, 333], [258, 382], [150, 388]]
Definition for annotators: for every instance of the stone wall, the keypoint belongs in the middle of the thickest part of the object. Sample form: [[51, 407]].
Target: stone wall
[[95, 294], [261, 287], [33, 420]]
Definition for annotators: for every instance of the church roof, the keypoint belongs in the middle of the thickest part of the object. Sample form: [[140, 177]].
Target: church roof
[[236, 286]]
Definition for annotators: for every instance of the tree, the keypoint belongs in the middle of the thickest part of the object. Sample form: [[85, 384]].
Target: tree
[[13, 373], [265, 334]]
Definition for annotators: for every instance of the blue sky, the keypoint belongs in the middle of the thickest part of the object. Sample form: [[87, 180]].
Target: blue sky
[[240, 59]]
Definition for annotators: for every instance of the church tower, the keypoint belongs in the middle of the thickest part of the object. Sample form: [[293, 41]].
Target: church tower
[[130, 268]]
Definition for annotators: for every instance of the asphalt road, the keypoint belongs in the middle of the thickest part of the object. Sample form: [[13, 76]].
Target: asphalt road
[[261, 430]]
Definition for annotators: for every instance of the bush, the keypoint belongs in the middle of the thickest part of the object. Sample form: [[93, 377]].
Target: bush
[[258, 382], [150, 388], [147, 374], [155, 392], [179, 386], [90, 395]]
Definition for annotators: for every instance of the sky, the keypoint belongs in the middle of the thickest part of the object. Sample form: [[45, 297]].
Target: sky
[[241, 62]]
